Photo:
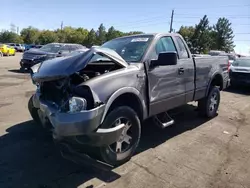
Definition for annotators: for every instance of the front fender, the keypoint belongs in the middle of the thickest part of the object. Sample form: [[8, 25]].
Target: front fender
[[121, 91]]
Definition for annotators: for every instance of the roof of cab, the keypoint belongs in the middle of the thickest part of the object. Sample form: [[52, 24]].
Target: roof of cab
[[150, 34]]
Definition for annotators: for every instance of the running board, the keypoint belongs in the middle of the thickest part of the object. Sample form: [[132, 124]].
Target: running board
[[163, 120]]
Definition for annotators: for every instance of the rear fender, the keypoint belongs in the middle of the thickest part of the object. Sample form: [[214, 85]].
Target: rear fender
[[211, 80]]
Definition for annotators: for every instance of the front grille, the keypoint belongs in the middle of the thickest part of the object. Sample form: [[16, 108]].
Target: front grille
[[31, 56], [240, 75], [54, 91]]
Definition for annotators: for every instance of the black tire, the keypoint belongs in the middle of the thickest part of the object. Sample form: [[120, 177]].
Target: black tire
[[205, 105], [107, 153], [33, 111]]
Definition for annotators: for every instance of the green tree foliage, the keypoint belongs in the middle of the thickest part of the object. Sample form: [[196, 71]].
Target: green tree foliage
[[112, 33], [200, 38], [187, 33], [101, 35], [203, 37], [30, 35], [223, 35], [10, 37], [73, 35], [47, 36], [91, 38]]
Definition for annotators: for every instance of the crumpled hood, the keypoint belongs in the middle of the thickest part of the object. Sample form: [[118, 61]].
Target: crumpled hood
[[65, 66]]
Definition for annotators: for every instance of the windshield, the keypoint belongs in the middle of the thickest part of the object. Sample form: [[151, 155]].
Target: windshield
[[131, 48], [242, 63], [54, 48], [76, 52]]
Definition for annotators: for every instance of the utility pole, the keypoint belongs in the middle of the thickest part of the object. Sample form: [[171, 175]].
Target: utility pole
[[12, 28], [61, 25], [171, 23]]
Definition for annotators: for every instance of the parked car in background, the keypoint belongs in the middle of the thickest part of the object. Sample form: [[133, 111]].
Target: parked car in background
[[7, 50], [38, 46], [18, 47], [231, 57], [240, 72], [101, 97], [29, 46], [48, 51], [76, 52]]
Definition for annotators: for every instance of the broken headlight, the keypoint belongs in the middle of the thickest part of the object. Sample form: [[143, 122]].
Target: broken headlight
[[77, 104]]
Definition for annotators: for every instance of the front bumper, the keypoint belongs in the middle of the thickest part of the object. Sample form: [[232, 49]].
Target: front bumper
[[82, 127], [28, 63]]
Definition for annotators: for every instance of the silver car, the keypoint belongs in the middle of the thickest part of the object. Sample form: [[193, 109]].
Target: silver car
[[240, 72]]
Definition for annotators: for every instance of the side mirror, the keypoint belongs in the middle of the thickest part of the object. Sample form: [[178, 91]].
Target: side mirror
[[164, 59]]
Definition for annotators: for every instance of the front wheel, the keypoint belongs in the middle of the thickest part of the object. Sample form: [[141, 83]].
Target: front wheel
[[122, 150], [209, 105]]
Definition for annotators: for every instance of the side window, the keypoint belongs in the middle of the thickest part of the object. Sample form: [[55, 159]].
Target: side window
[[65, 48], [182, 48], [73, 47], [164, 44]]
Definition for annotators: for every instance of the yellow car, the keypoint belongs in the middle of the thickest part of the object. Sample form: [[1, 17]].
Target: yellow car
[[7, 50]]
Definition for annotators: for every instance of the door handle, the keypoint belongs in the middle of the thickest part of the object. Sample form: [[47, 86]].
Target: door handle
[[181, 71]]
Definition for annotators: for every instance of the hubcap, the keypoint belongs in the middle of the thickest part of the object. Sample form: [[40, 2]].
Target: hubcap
[[213, 102], [124, 141]]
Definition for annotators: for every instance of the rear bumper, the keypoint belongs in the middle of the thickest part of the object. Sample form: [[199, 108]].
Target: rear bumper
[[82, 127], [242, 82]]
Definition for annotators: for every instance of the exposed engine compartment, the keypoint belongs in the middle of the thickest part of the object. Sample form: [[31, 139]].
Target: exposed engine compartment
[[59, 91], [93, 70]]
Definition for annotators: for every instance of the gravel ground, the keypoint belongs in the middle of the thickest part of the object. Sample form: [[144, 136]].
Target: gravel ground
[[192, 153]]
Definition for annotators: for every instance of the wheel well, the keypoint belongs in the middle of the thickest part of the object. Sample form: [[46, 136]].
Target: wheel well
[[217, 81], [128, 99]]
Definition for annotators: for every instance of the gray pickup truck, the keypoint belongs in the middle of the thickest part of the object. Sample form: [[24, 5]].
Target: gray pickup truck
[[101, 97]]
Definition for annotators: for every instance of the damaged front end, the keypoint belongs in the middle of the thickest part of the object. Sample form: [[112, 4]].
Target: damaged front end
[[68, 107]]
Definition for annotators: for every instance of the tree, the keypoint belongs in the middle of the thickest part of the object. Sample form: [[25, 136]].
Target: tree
[[187, 33], [10, 37], [223, 35], [101, 35], [47, 36], [201, 38], [76, 35], [30, 35], [112, 33], [91, 38]]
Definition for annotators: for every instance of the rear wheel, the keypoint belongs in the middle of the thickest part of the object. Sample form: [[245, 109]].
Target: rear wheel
[[122, 150], [209, 105]]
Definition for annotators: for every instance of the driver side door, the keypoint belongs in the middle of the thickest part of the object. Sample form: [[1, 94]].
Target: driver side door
[[166, 83]]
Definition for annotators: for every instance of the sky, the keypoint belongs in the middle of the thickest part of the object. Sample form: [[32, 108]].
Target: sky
[[130, 15]]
